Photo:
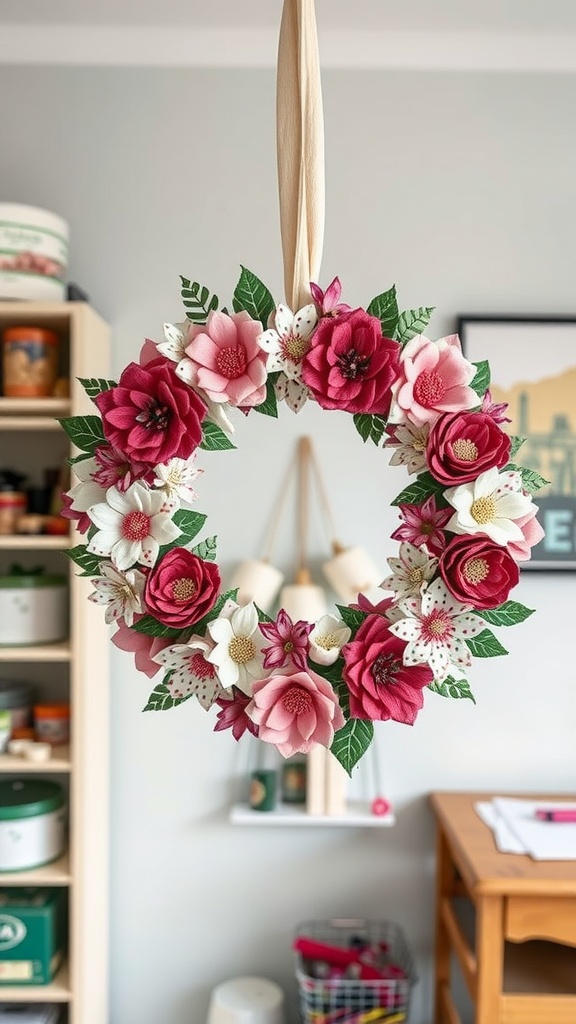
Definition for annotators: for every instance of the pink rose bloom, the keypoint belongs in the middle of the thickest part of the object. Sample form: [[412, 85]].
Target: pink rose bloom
[[434, 378], [461, 445], [144, 648], [295, 712], [381, 686], [227, 361], [181, 588], [151, 415], [350, 365], [477, 571], [532, 532]]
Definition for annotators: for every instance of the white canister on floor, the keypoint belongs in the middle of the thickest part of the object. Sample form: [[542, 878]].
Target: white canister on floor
[[33, 253], [32, 823]]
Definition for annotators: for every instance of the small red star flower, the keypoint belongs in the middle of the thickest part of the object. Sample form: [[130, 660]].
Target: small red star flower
[[289, 641], [424, 524]]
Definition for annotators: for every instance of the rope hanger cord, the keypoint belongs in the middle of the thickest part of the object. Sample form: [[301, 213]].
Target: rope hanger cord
[[278, 509], [300, 150]]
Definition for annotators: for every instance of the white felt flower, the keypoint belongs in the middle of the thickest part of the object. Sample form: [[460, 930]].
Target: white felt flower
[[327, 639], [190, 672], [490, 505], [409, 444], [238, 651], [121, 592], [435, 628], [175, 477], [174, 348], [413, 568], [132, 525], [86, 492], [288, 341]]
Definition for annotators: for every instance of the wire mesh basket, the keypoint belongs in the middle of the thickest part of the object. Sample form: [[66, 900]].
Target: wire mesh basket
[[333, 992]]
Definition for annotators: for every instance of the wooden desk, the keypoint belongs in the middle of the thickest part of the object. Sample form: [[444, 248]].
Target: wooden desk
[[518, 958]]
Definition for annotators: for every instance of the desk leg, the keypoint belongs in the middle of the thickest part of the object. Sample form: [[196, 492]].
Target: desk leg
[[444, 887], [490, 956]]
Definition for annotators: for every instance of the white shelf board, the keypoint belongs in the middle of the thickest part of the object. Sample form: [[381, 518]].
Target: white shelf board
[[59, 761], [56, 873], [35, 406], [34, 542], [57, 991], [41, 652], [357, 815]]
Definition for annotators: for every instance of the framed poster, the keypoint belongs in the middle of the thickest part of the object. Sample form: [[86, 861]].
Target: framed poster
[[533, 366]]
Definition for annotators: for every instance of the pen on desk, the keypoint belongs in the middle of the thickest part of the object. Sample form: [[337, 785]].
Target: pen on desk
[[556, 815]]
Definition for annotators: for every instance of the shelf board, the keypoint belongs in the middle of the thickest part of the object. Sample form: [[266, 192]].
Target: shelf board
[[34, 542], [40, 423], [56, 873], [33, 407], [57, 991], [357, 815], [39, 652], [59, 762]]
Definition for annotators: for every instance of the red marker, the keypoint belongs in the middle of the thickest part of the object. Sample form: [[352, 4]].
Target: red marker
[[557, 815]]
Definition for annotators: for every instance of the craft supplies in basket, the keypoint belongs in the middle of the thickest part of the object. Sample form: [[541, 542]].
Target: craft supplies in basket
[[353, 970]]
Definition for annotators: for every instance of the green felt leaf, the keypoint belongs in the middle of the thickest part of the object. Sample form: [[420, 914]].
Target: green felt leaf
[[423, 487], [269, 406], [189, 523], [88, 562], [351, 742], [457, 689], [385, 307], [197, 300], [262, 615], [412, 322], [214, 439], [485, 645], [531, 480], [206, 549], [151, 627], [481, 380], [96, 385], [370, 427], [507, 614], [84, 431], [254, 297], [516, 444], [161, 700], [352, 617]]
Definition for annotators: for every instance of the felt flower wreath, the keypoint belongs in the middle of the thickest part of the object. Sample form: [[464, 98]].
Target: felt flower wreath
[[467, 519]]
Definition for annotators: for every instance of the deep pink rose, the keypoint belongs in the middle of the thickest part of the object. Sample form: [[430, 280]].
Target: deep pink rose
[[477, 571], [143, 647], [295, 711], [532, 534], [351, 365], [151, 415], [381, 686], [181, 588], [461, 445]]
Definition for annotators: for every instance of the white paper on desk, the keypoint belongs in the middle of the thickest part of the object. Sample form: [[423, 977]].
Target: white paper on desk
[[543, 840], [506, 841]]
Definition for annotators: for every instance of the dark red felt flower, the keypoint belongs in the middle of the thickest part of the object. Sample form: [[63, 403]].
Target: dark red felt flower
[[181, 588], [461, 445], [477, 571]]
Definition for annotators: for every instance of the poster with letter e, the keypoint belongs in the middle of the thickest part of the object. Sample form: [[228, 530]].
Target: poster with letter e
[[533, 368]]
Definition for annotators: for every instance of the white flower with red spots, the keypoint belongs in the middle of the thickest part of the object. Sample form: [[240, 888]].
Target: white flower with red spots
[[410, 571], [435, 627], [132, 526], [175, 477], [238, 642], [87, 491], [189, 671], [409, 443], [327, 639], [121, 592], [286, 344], [491, 505]]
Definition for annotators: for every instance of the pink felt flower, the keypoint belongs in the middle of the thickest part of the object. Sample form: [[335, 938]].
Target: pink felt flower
[[151, 415], [295, 712], [461, 445], [350, 365], [423, 524], [434, 378], [144, 648], [381, 687], [233, 714], [497, 410], [477, 571], [289, 641], [82, 519], [226, 359], [114, 469], [532, 534], [181, 588], [328, 302]]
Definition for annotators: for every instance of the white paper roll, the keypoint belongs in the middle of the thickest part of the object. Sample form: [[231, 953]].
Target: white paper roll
[[351, 572], [257, 581], [303, 601]]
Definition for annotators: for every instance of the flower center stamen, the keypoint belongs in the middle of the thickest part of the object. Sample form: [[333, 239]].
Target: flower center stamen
[[201, 668], [385, 669], [231, 361], [328, 641], [429, 389], [241, 649], [294, 348], [135, 525], [352, 365], [183, 589], [297, 701], [416, 576], [465, 450], [476, 570], [483, 510], [437, 626], [154, 416]]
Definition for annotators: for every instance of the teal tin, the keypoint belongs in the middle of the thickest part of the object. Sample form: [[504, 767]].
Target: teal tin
[[32, 935]]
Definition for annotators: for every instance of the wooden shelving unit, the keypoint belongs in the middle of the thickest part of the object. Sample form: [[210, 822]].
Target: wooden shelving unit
[[80, 664]]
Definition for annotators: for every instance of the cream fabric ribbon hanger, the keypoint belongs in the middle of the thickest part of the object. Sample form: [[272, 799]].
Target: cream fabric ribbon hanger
[[300, 150]]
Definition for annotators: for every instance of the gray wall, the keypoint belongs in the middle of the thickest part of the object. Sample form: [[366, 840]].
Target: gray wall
[[459, 188]]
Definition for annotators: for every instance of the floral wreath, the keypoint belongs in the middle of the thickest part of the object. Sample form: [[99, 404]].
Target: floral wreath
[[467, 519]]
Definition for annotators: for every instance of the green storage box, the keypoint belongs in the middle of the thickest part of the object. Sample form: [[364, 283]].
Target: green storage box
[[32, 935]]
